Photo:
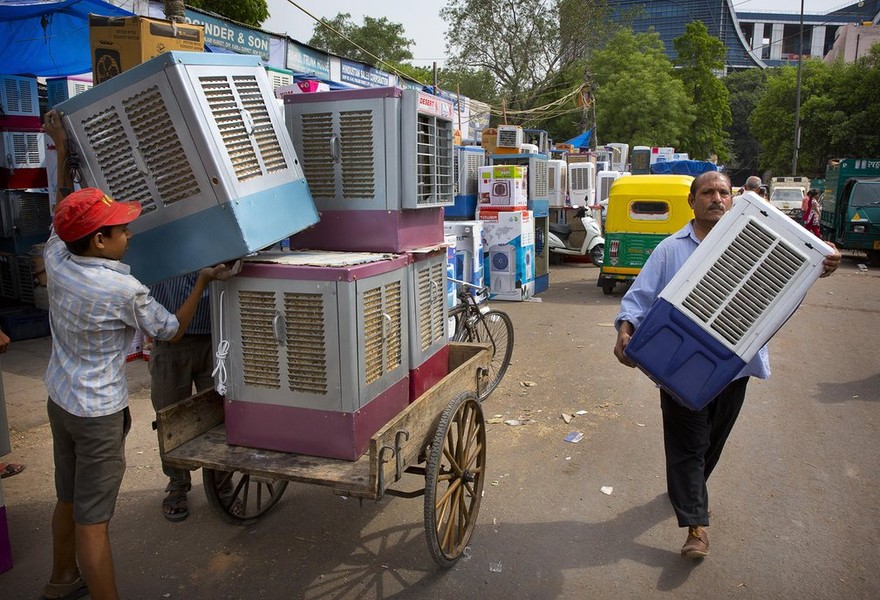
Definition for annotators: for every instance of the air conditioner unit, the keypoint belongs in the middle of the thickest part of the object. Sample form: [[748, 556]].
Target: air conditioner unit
[[604, 180], [59, 89], [374, 149], [732, 295], [18, 96], [318, 350], [199, 141], [466, 167], [509, 139], [22, 150], [557, 182], [279, 77], [582, 183]]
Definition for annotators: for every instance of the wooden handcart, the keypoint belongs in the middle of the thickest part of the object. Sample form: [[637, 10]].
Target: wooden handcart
[[441, 436]]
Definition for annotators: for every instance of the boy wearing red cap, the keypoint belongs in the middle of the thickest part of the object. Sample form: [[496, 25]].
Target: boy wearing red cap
[[95, 307]]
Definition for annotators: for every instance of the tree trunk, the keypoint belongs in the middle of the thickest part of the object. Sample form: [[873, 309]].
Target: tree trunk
[[174, 11]]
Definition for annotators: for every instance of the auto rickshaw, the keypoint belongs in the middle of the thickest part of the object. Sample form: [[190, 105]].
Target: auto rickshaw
[[642, 210]]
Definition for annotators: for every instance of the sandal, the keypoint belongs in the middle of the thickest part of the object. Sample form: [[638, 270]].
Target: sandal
[[175, 506], [65, 591], [10, 469]]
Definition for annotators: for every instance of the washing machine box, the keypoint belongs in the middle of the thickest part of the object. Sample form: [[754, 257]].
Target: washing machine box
[[736, 290], [468, 251], [509, 253], [120, 43], [199, 140], [318, 356]]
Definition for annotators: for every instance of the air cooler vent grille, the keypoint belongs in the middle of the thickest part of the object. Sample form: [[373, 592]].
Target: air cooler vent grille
[[110, 144], [259, 347], [357, 154], [382, 323], [475, 160], [434, 161], [430, 284], [317, 159], [33, 212], [456, 160], [580, 179], [26, 150], [742, 284], [264, 134], [306, 342], [541, 187], [20, 96], [158, 143]]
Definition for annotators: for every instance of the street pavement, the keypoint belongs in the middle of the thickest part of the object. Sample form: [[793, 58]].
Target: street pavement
[[794, 498]]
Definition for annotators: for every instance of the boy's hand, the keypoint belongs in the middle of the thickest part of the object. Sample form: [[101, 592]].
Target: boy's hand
[[53, 127], [221, 272]]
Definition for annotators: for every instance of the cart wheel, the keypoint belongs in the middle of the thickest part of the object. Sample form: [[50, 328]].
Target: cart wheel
[[494, 328], [248, 497], [454, 479]]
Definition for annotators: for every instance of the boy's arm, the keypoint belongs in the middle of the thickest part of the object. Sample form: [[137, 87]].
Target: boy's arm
[[53, 127], [187, 310]]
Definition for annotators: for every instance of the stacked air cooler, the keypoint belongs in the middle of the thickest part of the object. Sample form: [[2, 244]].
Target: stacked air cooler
[[199, 140], [24, 199], [739, 287], [468, 160]]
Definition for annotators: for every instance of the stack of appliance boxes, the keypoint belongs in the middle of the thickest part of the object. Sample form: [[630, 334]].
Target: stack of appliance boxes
[[331, 341], [24, 199], [508, 232]]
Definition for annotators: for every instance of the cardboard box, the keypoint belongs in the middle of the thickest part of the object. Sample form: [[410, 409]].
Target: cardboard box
[[120, 43], [509, 254], [506, 186], [467, 247]]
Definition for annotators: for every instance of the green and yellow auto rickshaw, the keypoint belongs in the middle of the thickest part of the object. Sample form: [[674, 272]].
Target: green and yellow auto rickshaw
[[642, 210]]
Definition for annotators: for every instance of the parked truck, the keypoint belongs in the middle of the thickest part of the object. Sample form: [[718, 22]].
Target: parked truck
[[786, 194], [851, 206]]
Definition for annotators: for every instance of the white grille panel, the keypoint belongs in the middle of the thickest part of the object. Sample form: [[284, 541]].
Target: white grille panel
[[233, 130], [160, 146], [259, 347], [434, 161], [393, 341], [264, 134], [357, 154], [374, 324], [317, 159], [475, 160], [539, 173], [430, 309], [27, 150], [112, 150], [306, 343], [743, 283], [579, 179]]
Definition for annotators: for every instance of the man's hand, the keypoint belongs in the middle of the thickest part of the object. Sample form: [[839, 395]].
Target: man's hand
[[221, 272], [831, 262], [624, 334]]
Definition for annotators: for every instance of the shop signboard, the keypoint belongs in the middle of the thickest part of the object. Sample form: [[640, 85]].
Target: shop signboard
[[308, 61], [223, 34], [363, 75]]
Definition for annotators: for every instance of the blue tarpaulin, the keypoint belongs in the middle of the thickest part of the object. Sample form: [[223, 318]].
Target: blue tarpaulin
[[47, 38], [581, 141], [683, 167]]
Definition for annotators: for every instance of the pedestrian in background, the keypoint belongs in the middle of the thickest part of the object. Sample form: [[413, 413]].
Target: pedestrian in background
[[693, 440]]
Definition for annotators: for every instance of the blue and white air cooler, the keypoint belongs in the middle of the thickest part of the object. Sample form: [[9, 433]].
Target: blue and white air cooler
[[732, 295]]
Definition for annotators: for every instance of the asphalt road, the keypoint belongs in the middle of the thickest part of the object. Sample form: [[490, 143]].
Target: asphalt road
[[794, 498]]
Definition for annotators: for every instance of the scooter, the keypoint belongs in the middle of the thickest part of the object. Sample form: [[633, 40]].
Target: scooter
[[593, 244]]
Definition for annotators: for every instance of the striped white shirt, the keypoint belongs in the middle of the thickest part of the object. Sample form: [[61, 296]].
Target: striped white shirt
[[95, 305]]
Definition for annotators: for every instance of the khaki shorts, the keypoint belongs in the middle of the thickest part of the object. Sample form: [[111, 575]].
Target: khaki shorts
[[89, 461]]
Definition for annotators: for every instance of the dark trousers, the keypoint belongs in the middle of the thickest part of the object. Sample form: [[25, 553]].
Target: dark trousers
[[693, 441]]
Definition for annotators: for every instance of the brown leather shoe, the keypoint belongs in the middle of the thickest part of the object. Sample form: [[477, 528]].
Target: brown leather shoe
[[697, 544]]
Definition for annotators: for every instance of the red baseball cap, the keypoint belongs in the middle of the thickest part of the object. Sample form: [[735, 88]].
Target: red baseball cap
[[87, 210]]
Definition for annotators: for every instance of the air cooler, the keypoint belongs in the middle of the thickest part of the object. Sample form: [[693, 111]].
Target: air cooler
[[468, 160], [18, 96], [379, 163], [742, 283], [428, 348], [318, 350], [22, 159], [557, 182], [582, 180], [199, 141], [24, 219], [59, 89]]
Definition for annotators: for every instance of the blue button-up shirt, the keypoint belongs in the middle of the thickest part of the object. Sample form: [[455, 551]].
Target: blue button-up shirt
[[95, 305], [663, 263]]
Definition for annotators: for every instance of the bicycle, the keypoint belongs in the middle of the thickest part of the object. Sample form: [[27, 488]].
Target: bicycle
[[476, 322]]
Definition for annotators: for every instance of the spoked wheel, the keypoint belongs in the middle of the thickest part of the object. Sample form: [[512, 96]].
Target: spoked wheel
[[241, 498], [454, 479], [494, 328]]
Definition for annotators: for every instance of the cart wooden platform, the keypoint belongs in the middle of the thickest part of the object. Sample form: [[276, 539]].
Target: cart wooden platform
[[441, 436]]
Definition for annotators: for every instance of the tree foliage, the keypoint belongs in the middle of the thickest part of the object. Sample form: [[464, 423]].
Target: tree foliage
[[374, 39], [524, 45], [838, 115], [638, 99], [249, 12], [700, 56], [744, 89]]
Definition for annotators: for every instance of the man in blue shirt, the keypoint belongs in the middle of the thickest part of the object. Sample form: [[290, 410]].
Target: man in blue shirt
[[693, 440]]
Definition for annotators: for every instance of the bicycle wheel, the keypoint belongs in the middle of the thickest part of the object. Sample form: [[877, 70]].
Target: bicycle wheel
[[494, 328]]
